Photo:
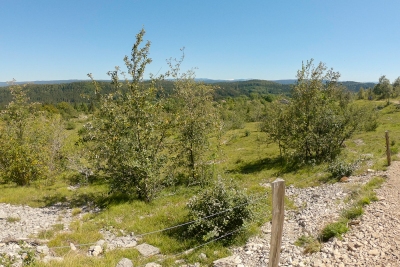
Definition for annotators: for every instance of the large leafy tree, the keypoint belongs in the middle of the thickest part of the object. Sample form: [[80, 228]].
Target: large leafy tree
[[126, 138], [318, 118]]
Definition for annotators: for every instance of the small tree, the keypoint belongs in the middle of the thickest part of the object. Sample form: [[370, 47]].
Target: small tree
[[277, 124], [319, 117], [383, 88], [361, 94], [196, 118], [396, 87], [30, 141], [126, 137]]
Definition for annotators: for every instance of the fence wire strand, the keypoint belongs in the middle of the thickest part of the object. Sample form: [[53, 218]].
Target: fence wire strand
[[180, 225]]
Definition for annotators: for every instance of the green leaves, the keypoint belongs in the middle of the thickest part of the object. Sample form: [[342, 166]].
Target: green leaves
[[318, 119], [225, 207], [126, 137], [30, 141], [197, 118]]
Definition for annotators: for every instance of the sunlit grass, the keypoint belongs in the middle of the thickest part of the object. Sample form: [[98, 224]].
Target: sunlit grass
[[246, 157]]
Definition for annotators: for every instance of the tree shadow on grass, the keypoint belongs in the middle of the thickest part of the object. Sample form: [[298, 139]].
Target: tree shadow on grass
[[278, 163]]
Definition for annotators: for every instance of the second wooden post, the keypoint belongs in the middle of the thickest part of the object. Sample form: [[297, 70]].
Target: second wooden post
[[388, 148], [278, 216]]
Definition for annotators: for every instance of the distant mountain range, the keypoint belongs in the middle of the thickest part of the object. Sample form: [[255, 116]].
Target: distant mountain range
[[206, 80]]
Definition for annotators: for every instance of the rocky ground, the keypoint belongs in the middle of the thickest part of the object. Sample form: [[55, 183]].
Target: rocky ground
[[375, 241]]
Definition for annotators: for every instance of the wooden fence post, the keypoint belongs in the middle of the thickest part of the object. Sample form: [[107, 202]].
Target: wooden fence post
[[278, 216], [388, 148]]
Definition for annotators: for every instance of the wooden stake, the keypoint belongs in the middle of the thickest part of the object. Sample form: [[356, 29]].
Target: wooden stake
[[278, 216], [388, 148]]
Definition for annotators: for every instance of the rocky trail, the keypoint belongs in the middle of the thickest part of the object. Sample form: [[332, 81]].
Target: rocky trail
[[374, 241]]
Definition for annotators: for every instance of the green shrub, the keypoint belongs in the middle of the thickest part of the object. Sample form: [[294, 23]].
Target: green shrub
[[30, 142], [70, 125], [20, 164], [216, 199], [339, 168]]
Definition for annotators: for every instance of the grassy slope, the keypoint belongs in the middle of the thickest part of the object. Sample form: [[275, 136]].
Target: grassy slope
[[246, 158]]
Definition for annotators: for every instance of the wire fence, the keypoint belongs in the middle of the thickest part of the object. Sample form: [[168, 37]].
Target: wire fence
[[188, 251], [225, 235]]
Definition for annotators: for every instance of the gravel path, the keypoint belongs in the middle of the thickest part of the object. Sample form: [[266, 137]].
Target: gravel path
[[375, 241]]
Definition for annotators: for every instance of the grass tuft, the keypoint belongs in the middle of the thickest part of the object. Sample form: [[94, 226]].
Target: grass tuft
[[309, 243], [13, 219], [335, 229], [353, 212], [76, 211]]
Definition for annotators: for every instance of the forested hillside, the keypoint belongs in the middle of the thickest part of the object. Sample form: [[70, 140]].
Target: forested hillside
[[78, 92]]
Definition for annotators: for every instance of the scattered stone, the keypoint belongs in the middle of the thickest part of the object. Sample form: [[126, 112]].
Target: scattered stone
[[100, 243], [147, 250], [3, 215], [124, 262], [43, 250], [354, 222], [203, 256], [228, 261], [373, 252], [152, 264], [72, 246], [95, 251]]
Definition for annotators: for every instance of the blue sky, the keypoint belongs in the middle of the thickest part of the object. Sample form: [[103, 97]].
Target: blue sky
[[262, 39]]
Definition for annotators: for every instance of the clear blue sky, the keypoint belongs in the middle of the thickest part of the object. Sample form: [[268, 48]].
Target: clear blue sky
[[262, 39]]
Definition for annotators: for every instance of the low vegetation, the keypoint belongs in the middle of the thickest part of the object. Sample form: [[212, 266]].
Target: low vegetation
[[151, 158]]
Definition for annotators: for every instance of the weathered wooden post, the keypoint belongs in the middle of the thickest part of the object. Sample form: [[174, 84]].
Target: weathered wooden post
[[389, 160], [278, 216]]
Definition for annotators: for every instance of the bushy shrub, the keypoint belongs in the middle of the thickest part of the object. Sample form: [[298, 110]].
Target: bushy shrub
[[19, 164], [215, 199], [339, 168], [30, 141], [70, 125]]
